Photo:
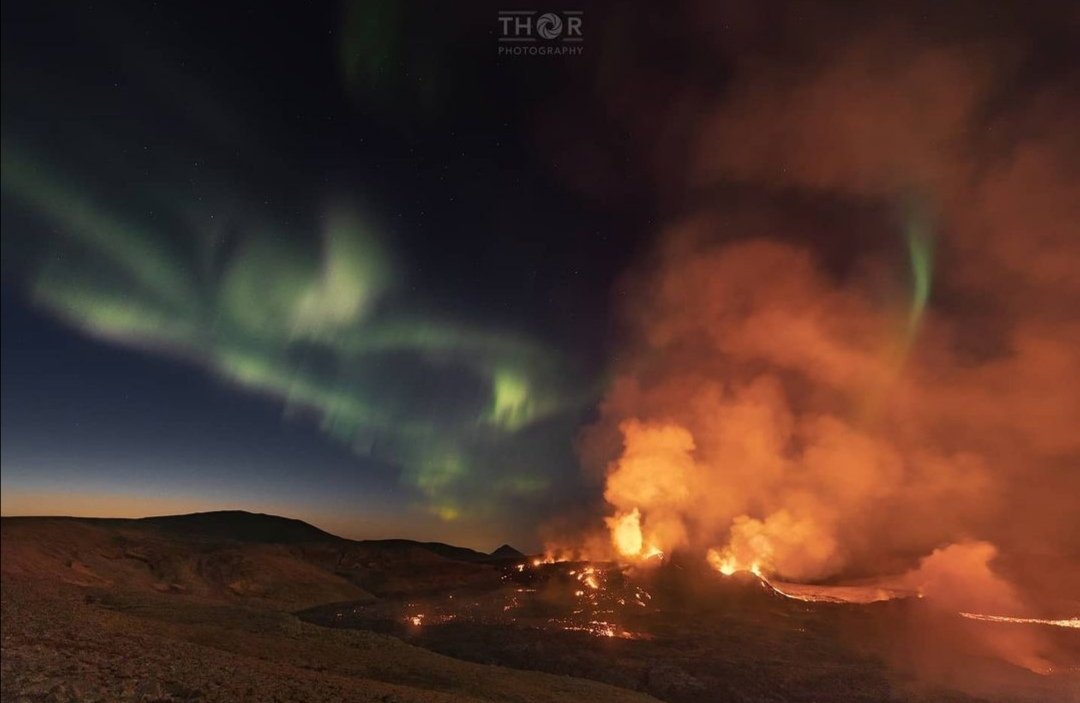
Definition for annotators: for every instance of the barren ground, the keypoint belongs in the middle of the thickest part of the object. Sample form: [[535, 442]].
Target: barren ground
[[144, 611]]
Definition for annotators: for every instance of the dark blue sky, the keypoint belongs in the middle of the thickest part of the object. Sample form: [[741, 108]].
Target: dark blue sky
[[318, 260]]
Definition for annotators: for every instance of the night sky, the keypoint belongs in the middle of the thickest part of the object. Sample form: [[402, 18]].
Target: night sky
[[345, 262], [305, 259]]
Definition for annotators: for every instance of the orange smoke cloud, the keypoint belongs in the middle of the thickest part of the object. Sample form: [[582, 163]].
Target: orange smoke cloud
[[743, 420], [774, 405], [959, 578]]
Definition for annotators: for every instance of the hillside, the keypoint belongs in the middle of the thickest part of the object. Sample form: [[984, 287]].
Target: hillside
[[231, 556], [198, 607], [241, 526]]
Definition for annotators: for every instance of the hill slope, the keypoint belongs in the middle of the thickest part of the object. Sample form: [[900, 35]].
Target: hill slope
[[194, 607], [241, 526], [267, 560]]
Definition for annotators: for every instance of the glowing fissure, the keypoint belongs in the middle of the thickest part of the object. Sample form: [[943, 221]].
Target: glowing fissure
[[866, 594], [1073, 623]]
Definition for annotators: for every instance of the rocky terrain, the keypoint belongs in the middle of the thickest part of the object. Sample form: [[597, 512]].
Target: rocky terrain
[[234, 606], [175, 610]]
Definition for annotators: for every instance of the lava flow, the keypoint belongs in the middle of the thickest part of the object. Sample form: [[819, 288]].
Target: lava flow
[[957, 580], [1073, 623], [874, 593], [544, 594]]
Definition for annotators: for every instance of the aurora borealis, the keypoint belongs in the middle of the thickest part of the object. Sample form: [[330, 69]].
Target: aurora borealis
[[300, 323], [344, 262], [154, 222]]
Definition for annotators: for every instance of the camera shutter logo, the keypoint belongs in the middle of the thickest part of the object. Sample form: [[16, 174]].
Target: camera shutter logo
[[536, 33], [549, 25]]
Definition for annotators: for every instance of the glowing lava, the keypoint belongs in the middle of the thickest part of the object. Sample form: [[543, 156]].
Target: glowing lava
[[863, 593], [1073, 623], [626, 533], [727, 564], [628, 540]]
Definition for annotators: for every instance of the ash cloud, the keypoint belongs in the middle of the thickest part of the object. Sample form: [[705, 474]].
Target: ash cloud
[[854, 342]]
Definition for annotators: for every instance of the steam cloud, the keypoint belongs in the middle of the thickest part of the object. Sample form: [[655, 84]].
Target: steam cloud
[[793, 392]]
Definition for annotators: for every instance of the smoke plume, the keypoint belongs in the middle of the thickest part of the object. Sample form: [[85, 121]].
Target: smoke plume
[[854, 345]]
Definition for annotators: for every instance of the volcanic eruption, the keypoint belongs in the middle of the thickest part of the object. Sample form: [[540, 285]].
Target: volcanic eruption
[[752, 325], [877, 398]]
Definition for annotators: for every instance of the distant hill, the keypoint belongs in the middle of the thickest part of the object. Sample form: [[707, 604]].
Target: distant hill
[[261, 528], [506, 552], [232, 554], [241, 526], [446, 551]]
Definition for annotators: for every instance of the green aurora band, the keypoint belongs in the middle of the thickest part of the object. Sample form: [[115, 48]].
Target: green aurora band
[[919, 235], [453, 405]]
